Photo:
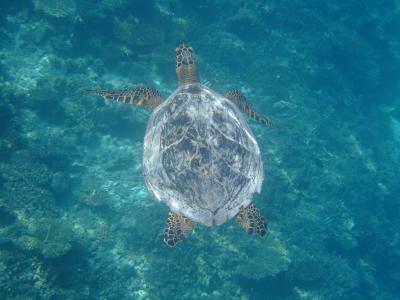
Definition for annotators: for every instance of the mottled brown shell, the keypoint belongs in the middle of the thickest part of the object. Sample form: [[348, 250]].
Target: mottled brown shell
[[200, 156]]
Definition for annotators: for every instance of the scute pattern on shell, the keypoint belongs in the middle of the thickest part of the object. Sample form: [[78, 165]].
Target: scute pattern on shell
[[200, 156]]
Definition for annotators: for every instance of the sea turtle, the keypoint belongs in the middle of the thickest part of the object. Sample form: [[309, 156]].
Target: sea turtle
[[200, 156]]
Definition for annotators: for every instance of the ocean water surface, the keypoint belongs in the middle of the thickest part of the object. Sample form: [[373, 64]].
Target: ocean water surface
[[76, 218]]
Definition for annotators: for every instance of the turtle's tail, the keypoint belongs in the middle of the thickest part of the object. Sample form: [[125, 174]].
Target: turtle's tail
[[186, 66]]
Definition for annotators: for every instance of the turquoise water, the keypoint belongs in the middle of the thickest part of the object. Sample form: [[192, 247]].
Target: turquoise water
[[76, 219]]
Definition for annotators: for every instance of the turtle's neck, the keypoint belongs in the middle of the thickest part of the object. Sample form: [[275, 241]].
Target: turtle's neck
[[187, 74]]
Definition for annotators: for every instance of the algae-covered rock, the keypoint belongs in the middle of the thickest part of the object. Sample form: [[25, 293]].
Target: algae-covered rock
[[3, 267], [140, 34], [263, 259], [26, 197], [28, 243], [245, 24], [114, 5], [49, 237], [57, 8], [32, 173], [91, 192]]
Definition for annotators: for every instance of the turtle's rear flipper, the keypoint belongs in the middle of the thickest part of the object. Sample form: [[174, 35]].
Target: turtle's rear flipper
[[143, 96], [251, 220], [245, 106], [176, 229]]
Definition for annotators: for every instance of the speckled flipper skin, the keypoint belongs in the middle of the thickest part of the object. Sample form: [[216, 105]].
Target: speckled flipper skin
[[251, 220], [143, 96], [245, 106], [176, 229]]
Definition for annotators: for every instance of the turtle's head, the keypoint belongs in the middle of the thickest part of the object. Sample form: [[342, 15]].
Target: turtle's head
[[186, 66]]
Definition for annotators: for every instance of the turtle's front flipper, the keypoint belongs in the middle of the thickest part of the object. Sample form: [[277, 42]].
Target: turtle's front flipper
[[251, 220], [176, 229], [245, 106], [143, 96]]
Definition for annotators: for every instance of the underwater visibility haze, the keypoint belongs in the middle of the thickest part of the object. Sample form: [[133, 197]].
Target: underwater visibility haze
[[78, 212]]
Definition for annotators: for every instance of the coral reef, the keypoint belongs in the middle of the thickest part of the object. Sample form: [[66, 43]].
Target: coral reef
[[56, 8], [138, 34], [76, 221]]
